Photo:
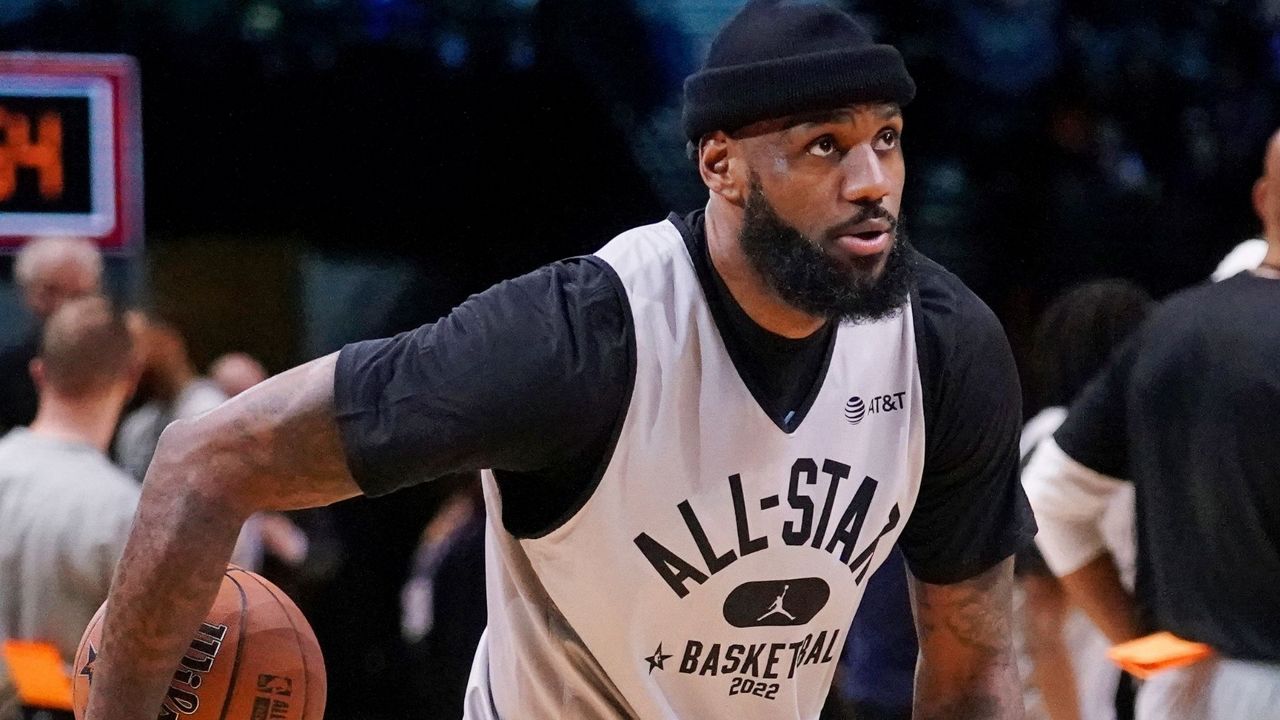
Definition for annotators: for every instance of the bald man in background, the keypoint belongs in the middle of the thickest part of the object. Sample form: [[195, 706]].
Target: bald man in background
[[236, 372], [49, 271]]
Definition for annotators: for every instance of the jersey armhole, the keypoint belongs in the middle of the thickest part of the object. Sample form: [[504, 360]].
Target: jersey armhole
[[924, 358], [624, 408]]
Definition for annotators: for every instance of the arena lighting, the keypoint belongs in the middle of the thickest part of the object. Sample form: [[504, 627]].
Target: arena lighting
[[70, 149]]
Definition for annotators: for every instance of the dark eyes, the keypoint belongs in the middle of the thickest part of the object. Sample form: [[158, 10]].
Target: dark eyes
[[826, 146], [823, 146], [887, 139]]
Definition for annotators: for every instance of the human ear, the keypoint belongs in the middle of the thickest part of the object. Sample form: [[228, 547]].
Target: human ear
[[1260, 200], [36, 369], [718, 159]]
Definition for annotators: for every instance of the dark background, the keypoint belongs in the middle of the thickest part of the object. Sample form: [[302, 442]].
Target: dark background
[[442, 145], [1050, 141]]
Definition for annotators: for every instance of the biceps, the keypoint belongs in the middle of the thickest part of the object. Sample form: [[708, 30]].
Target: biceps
[[965, 621], [274, 446]]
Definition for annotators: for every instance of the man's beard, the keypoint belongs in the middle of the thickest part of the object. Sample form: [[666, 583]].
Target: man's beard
[[806, 277]]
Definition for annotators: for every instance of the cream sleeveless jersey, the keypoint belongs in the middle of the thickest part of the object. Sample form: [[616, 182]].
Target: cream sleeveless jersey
[[657, 545], [716, 567]]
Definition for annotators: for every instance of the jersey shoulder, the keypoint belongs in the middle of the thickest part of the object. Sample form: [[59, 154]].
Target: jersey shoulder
[[1203, 301], [647, 250], [950, 320]]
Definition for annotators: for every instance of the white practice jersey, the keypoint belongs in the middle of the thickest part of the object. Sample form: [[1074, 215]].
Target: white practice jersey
[[714, 570]]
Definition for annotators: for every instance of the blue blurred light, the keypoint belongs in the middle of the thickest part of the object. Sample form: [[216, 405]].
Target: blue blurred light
[[453, 49], [12, 11], [521, 54]]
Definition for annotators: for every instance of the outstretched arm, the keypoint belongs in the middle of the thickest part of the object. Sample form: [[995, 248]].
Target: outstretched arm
[[967, 669], [275, 447]]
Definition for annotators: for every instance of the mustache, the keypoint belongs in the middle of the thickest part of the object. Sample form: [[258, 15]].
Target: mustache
[[868, 212]]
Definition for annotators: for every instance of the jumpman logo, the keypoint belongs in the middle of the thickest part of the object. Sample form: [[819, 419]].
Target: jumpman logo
[[776, 607]]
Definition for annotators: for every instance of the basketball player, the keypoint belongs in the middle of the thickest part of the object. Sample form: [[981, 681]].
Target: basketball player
[[765, 394], [1187, 411]]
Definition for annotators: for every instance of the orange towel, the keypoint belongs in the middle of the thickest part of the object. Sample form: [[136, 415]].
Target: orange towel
[[1152, 654], [38, 674]]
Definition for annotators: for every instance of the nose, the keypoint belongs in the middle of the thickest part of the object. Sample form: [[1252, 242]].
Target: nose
[[864, 176]]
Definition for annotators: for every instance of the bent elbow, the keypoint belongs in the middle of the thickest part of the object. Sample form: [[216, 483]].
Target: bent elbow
[[194, 458]]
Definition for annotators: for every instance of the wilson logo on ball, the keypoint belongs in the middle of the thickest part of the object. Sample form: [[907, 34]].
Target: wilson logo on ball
[[252, 632], [855, 410]]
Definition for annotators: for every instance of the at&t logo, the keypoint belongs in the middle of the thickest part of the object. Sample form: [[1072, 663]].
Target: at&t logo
[[856, 409]]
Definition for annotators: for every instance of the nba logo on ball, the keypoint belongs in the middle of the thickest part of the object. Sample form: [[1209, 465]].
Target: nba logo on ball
[[855, 410]]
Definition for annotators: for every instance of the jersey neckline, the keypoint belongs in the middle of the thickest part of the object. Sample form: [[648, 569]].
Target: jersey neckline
[[718, 300]]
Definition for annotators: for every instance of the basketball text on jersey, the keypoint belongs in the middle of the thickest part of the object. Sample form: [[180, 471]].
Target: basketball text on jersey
[[809, 518]]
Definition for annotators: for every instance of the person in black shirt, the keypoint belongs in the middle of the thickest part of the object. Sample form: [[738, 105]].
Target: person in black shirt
[[1187, 411], [798, 254]]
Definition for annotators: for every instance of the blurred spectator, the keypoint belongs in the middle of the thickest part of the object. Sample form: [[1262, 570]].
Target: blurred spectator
[[65, 510], [169, 385], [270, 533], [443, 605], [1186, 410], [1069, 671], [236, 372], [1067, 656], [1004, 48], [49, 271]]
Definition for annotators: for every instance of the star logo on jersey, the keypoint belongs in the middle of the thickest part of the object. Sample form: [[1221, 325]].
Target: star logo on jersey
[[656, 659], [87, 670]]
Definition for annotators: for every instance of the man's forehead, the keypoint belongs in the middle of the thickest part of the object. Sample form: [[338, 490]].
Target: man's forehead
[[880, 110], [67, 268], [845, 114]]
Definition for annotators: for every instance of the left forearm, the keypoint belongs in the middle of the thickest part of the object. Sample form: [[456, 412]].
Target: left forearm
[[1097, 588], [991, 692], [967, 669]]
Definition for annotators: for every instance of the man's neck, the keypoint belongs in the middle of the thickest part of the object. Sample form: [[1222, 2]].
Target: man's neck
[[1272, 259], [746, 285], [89, 421]]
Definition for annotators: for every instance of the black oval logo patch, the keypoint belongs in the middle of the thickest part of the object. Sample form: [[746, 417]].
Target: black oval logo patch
[[776, 602]]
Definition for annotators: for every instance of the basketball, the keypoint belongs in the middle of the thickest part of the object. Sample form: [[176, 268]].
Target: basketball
[[253, 658]]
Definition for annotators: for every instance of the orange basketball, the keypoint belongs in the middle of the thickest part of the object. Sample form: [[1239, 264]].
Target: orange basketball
[[253, 658]]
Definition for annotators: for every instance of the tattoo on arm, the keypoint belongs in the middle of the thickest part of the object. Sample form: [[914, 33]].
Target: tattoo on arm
[[275, 446], [967, 667], [286, 441]]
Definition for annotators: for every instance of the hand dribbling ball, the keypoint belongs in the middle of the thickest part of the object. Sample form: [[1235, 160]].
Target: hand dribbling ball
[[253, 658]]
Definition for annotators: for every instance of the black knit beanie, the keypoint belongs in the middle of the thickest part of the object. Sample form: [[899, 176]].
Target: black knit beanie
[[781, 57]]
